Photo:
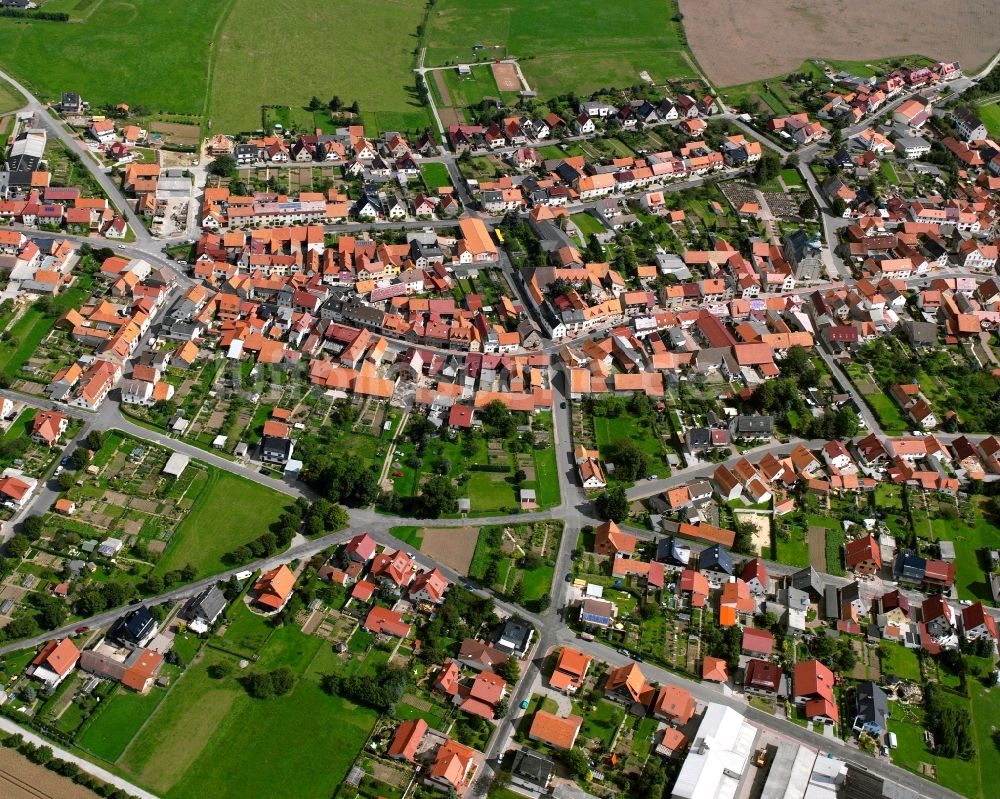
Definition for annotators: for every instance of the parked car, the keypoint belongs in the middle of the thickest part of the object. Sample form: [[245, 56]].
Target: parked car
[[524, 704]]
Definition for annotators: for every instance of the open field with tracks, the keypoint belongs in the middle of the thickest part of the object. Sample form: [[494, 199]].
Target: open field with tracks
[[773, 37]]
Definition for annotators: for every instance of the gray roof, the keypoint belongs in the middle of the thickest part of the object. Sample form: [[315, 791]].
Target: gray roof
[[207, 605]]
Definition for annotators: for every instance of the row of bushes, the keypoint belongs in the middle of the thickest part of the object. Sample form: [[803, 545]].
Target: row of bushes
[[48, 16]]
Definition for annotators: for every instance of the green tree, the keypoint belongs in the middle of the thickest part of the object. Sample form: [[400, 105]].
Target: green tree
[[631, 463], [95, 440], [66, 480], [767, 167], [613, 504], [497, 419], [510, 670], [32, 527], [223, 166], [18, 545]]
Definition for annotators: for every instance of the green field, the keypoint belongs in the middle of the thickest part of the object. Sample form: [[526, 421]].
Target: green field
[[360, 50], [990, 114], [118, 721], [588, 224], [435, 176], [228, 511], [579, 46], [226, 61], [465, 91], [901, 662], [10, 98], [119, 54], [211, 739]]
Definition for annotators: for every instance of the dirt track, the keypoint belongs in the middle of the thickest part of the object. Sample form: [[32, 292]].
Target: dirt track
[[737, 43], [506, 78]]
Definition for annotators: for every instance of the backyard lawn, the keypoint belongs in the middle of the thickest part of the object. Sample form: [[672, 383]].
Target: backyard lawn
[[588, 224], [599, 721], [117, 722], [990, 114], [901, 662], [435, 176], [968, 777], [608, 429], [970, 543], [228, 511]]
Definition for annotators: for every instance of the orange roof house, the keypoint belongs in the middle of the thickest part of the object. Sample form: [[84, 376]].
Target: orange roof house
[[714, 669], [48, 426], [407, 738], [451, 766], [674, 704], [863, 556], [628, 683], [610, 540], [274, 587], [558, 732], [54, 661], [570, 670], [383, 621]]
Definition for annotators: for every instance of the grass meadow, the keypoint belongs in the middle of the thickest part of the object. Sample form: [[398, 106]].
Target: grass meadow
[[228, 511], [209, 738], [139, 52], [361, 50], [574, 46]]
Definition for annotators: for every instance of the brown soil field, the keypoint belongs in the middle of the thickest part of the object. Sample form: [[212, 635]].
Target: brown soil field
[[22, 779], [452, 546], [736, 43], [506, 78], [177, 133], [451, 116]]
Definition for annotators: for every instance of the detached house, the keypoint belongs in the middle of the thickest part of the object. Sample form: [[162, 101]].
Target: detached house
[[863, 557]]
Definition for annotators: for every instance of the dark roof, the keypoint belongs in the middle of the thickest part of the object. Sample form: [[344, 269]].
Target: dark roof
[[134, 627], [668, 551], [716, 558], [910, 565], [207, 605], [872, 703], [754, 424], [810, 581], [532, 767]]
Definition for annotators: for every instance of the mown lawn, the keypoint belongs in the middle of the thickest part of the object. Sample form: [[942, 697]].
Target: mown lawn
[[118, 721], [580, 46], [229, 511], [607, 430], [970, 543], [587, 224], [901, 662], [990, 114], [435, 176]]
